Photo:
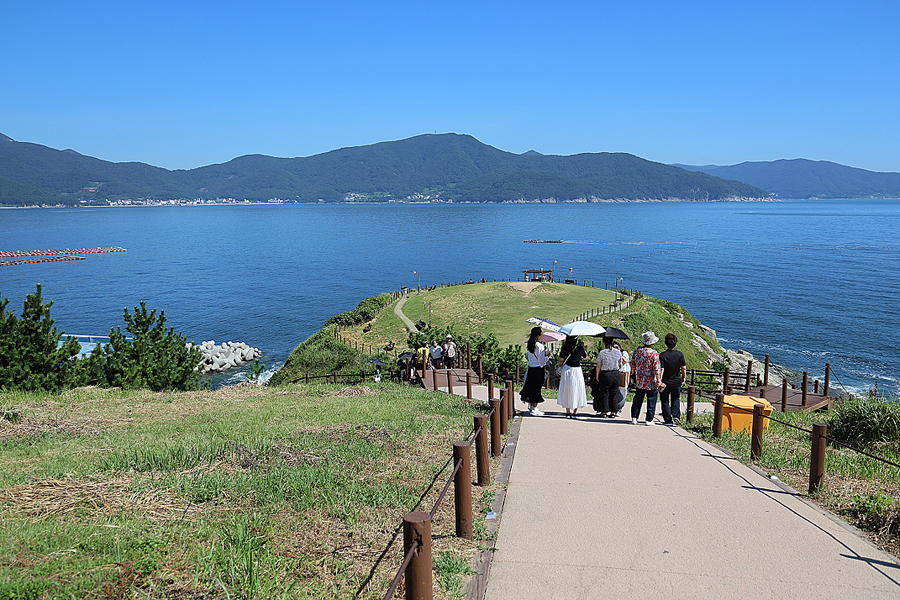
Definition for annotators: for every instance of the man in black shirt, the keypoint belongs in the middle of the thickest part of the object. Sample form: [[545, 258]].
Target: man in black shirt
[[674, 373]]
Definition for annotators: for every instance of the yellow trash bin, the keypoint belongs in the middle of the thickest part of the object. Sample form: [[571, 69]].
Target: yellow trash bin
[[741, 418]]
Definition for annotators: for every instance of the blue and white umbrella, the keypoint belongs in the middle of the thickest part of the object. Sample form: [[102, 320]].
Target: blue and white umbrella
[[582, 328], [544, 323]]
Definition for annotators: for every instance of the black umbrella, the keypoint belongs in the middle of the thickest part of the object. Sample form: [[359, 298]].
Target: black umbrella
[[377, 363], [406, 355], [617, 334]]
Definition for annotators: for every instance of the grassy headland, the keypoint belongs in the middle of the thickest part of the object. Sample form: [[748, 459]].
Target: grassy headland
[[501, 309]]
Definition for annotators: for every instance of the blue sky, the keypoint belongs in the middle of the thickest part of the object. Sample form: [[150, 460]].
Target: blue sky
[[185, 84]]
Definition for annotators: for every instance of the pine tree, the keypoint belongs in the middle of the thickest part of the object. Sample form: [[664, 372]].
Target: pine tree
[[154, 357], [31, 355]]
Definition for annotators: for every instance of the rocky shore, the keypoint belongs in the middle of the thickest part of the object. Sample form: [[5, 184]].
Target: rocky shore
[[736, 359]]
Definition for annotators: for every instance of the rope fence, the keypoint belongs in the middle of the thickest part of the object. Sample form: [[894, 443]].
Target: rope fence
[[818, 437], [417, 563]]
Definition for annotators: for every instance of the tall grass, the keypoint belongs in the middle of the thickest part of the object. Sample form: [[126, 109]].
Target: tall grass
[[285, 492], [866, 421]]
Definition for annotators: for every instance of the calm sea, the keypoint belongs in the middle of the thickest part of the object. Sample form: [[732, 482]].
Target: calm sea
[[807, 282]]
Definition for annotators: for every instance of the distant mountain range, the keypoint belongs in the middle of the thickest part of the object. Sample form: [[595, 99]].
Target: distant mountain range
[[801, 178], [448, 167]]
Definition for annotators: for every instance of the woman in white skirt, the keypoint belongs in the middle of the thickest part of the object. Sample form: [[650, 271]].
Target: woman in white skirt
[[572, 392]]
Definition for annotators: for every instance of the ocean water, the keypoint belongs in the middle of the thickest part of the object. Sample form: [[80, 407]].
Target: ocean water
[[807, 282]]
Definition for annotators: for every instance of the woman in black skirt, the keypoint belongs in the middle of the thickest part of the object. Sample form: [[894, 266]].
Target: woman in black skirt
[[534, 377]]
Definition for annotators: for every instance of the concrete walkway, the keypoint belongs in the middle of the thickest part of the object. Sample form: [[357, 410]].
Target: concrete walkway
[[606, 509], [398, 310]]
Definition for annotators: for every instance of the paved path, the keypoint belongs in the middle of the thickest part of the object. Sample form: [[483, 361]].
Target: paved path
[[607, 509], [398, 310]]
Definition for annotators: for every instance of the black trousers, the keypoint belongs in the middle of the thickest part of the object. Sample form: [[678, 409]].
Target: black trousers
[[607, 391]]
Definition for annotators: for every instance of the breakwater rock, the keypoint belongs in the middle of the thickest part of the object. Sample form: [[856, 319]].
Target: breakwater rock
[[218, 358]]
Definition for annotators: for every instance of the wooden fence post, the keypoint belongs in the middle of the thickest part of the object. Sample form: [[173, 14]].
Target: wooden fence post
[[490, 386], [450, 381], [462, 490], [495, 427], [504, 420], [749, 375], [482, 462], [690, 404], [717, 415], [784, 385], [417, 530], [817, 457], [756, 433], [805, 384], [766, 380], [827, 379], [468, 385]]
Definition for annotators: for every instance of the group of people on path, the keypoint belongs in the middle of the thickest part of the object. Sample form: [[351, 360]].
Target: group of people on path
[[657, 376], [438, 356]]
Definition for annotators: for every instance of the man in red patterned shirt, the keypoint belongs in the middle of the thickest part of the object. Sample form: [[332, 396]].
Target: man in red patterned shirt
[[647, 372]]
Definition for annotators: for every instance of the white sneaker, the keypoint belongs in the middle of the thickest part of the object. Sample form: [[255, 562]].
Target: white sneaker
[[538, 413], [648, 423], [634, 421]]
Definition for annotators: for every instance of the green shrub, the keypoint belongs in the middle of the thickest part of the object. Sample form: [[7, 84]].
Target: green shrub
[[34, 357], [872, 504], [494, 359], [322, 353], [156, 358], [865, 421], [31, 357], [365, 311]]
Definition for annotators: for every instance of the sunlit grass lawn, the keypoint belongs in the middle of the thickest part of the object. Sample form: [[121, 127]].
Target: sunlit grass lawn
[[503, 309], [484, 308], [291, 492]]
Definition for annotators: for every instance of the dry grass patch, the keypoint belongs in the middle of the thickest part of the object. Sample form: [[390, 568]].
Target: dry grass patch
[[47, 497], [39, 426]]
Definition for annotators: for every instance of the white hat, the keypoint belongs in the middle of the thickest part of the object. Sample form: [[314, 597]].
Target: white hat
[[649, 338]]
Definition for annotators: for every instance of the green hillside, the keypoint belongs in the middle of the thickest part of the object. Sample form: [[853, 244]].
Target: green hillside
[[449, 167], [800, 178]]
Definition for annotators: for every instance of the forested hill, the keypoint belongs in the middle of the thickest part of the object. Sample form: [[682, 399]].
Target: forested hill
[[448, 167], [801, 178]]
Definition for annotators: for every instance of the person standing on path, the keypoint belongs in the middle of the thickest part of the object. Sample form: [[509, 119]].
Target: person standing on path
[[608, 362], [572, 394], [423, 356], [534, 376], [674, 372], [624, 376], [648, 378], [449, 349], [437, 360]]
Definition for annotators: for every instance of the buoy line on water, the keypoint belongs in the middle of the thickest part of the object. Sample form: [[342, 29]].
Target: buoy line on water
[[24, 253], [25, 261]]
